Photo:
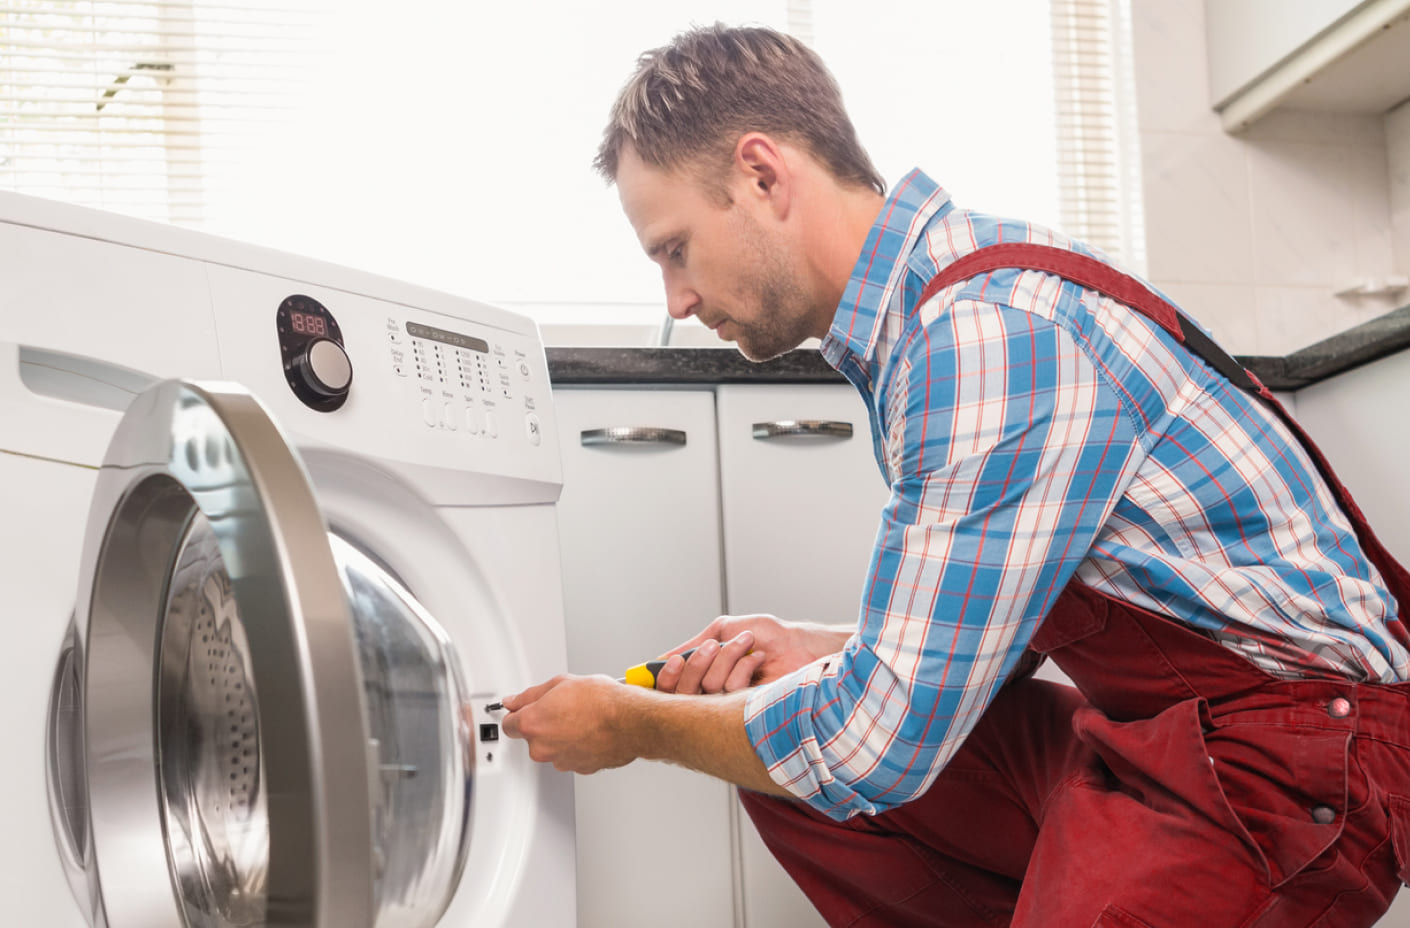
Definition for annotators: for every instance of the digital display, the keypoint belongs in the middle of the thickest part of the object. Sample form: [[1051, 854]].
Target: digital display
[[308, 323], [449, 338]]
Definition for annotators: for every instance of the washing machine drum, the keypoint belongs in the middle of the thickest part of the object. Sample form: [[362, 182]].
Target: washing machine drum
[[253, 723]]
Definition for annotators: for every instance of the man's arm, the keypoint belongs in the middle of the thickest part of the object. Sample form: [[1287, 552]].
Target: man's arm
[[1007, 448], [586, 724]]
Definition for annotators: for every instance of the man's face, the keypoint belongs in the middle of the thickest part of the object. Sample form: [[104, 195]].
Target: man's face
[[728, 264]]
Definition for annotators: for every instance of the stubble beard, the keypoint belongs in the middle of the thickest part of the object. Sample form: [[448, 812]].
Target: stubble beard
[[781, 327], [771, 284]]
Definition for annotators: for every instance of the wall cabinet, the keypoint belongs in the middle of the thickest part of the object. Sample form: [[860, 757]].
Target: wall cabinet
[[766, 507], [1345, 56]]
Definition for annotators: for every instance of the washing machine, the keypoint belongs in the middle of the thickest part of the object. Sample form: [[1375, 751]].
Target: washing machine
[[275, 536]]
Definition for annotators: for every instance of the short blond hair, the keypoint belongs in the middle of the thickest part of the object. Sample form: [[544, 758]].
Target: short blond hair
[[689, 102]]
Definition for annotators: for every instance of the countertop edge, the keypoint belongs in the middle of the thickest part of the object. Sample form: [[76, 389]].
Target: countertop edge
[[582, 366], [602, 366]]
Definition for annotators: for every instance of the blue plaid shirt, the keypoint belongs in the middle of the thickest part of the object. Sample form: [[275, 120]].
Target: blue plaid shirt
[[1030, 431]]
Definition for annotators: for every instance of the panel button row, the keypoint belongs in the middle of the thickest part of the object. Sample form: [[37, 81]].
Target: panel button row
[[437, 414]]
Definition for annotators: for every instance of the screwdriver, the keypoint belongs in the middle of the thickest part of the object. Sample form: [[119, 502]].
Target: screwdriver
[[640, 675], [645, 674]]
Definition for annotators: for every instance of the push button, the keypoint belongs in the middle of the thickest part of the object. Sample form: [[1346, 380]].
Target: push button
[[1339, 708]]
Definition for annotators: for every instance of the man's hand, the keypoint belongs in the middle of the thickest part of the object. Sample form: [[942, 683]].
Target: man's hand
[[587, 724], [575, 723], [735, 652]]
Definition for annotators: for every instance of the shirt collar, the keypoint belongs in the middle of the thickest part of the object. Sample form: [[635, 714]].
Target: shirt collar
[[881, 268]]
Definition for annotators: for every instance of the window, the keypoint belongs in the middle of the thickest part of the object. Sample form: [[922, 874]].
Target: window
[[147, 108], [450, 144], [1098, 162]]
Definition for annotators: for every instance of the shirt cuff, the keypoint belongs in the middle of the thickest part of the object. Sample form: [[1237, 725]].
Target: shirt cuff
[[780, 724]]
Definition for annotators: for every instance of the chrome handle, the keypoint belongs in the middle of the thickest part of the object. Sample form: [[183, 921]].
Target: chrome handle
[[822, 428], [632, 435]]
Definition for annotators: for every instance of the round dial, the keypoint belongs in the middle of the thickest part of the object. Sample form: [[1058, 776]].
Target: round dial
[[325, 368], [316, 365]]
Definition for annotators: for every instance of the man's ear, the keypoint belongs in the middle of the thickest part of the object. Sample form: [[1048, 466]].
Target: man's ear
[[761, 164]]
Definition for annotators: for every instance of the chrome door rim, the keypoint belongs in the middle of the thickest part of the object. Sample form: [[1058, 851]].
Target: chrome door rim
[[185, 448]]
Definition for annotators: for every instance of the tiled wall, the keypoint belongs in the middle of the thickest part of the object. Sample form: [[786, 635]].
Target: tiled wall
[[1398, 152], [1254, 233]]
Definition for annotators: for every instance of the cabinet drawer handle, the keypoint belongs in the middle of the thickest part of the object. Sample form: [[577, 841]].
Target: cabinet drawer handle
[[632, 435], [812, 427]]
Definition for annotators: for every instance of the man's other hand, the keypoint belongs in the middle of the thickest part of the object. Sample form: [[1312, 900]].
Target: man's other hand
[[738, 651]]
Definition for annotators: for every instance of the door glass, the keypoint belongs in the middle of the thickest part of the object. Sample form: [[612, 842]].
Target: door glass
[[213, 801], [412, 691], [216, 823]]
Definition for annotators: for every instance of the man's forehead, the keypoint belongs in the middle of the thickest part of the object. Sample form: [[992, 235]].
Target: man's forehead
[[648, 193], [638, 181]]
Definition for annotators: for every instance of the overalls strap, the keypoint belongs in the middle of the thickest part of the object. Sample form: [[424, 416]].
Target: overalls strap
[[1086, 271]]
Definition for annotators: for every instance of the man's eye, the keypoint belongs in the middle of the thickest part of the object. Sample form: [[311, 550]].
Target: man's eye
[[675, 254]]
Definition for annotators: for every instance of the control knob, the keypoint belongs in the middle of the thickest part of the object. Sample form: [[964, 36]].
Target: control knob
[[324, 368]]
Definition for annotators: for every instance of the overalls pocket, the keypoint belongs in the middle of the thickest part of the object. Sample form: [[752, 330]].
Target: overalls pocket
[[1398, 808], [1287, 783], [1279, 790]]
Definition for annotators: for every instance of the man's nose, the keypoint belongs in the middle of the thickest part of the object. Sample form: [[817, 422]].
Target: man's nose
[[681, 300]]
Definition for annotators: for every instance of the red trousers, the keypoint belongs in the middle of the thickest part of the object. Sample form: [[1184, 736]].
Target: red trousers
[[1180, 788]]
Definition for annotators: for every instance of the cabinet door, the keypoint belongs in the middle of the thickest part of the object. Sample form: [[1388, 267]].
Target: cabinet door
[[640, 534], [801, 506], [800, 517]]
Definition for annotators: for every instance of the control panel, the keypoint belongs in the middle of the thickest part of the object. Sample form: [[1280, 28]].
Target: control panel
[[438, 383], [465, 382]]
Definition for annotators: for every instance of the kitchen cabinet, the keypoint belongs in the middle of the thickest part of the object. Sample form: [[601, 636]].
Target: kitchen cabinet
[[1345, 56], [1347, 417], [640, 534], [659, 538], [800, 498]]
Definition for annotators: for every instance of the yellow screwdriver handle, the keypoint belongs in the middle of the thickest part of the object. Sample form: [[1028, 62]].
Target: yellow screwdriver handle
[[645, 674]]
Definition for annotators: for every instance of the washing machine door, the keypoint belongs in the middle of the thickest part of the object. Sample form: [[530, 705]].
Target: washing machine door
[[270, 731]]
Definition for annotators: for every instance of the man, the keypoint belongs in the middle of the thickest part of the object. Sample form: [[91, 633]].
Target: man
[[1073, 472]]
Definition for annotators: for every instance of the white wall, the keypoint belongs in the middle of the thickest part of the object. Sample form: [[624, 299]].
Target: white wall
[[1253, 234]]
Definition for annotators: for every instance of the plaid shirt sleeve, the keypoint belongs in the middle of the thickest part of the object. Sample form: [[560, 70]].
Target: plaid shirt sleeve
[[1007, 449]]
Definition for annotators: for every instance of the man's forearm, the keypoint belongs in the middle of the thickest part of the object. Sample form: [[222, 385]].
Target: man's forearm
[[704, 733]]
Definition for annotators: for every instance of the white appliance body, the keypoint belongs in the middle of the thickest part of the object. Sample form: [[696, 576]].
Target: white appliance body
[[442, 466]]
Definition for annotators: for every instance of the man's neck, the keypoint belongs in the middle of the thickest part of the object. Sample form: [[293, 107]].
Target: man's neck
[[840, 233]]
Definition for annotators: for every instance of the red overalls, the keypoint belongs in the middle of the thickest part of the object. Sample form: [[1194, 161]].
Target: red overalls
[[1179, 786]]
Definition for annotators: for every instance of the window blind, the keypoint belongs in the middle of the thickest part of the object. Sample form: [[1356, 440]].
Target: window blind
[[1099, 184], [140, 107]]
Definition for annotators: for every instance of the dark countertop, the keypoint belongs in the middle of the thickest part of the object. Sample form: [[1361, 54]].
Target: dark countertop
[[586, 366], [684, 366]]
